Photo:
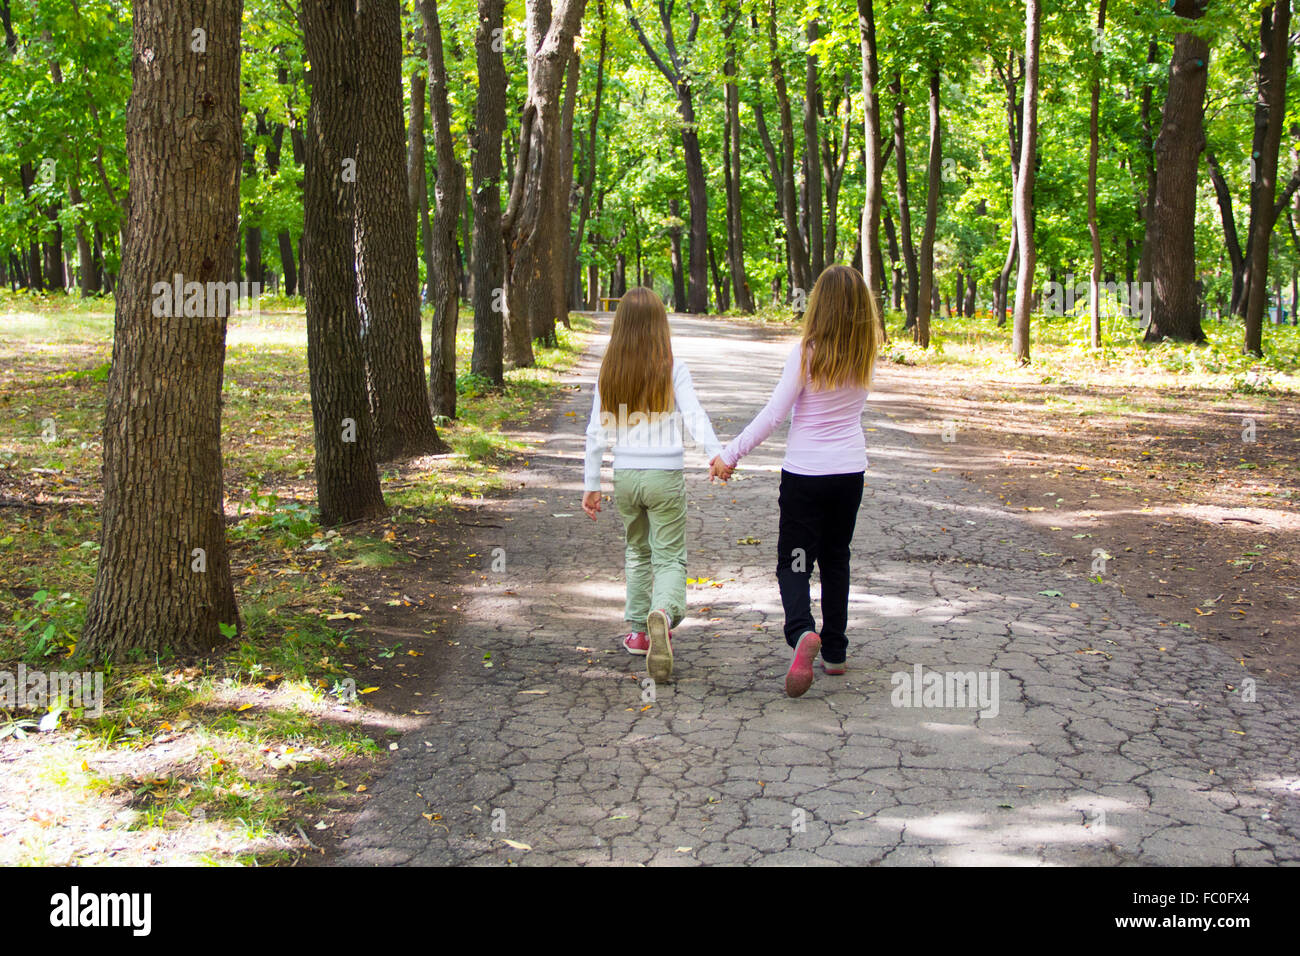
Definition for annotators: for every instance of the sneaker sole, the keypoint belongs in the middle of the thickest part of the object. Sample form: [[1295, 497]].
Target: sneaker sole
[[800, 675], [659, 661]]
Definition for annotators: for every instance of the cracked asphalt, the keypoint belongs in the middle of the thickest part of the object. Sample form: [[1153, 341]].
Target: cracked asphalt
[[1115, 739]]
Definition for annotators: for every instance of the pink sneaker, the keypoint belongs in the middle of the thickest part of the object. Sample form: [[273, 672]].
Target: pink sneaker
[[835, 670], [636, 643], [659, 660], [800, 675]]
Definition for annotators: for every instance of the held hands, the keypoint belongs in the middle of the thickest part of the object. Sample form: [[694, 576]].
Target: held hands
[[720, 469], [591, 503]]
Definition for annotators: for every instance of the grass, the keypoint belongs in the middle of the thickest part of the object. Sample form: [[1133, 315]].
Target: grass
[[210, 751], [1061, 354]]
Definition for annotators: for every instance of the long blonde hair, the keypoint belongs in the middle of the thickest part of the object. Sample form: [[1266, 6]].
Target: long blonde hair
[[638, 367], [841, 331]]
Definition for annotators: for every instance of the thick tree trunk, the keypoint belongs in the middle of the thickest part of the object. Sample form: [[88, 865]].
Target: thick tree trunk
[[485, 147], [1175, 310], [347, 479], [388, 275], [1271, 109], [1025, 186], [163, 583], [448, 192], [529, 220], [870, 233]]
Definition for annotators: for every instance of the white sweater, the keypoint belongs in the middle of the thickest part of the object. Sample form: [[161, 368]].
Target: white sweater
[[645, 441]]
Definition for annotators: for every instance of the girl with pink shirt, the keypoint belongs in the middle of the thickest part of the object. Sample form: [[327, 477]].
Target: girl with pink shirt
[[822, 390]]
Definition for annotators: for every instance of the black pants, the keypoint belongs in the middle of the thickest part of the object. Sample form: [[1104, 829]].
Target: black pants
[[818, 514]]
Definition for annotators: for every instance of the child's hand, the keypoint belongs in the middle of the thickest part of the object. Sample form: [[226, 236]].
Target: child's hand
[[720, 469], [591, 503]]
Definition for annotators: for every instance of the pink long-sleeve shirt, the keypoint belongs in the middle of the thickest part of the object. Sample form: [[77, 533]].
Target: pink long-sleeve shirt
[[826, 435]]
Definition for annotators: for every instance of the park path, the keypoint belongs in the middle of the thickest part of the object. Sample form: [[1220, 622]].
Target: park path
[[1115, 739]]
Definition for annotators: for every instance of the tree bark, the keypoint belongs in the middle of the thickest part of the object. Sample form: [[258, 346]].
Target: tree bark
[[904, 208], [163, 583], [562, 288], [871, 122], [347, 479], [676, 70], [388, 275], [1175, 309], [1271, 108], [449, 192], [926, 286], [417, 179], [1025, 186], [735, 222], [800, 267], [1094, 230], [485, 149], [812, 105], [588, 181], [529, 221], [1014, 110]]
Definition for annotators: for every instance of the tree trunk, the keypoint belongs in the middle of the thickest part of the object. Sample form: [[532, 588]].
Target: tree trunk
[[1094, 229], [563, 285], [922, 333], [448, 192], [735, 224], [1147, 209], [896, 274], [485, 149], [675, 257], [870, 233], [417, 179], [812, 104], [347, 480], [904, 208], [676, 69], [1025, 186], [1271, 109], [529, 221], [800, 268], [163, 583], [588, 181], [388, 275], [1175, 310]]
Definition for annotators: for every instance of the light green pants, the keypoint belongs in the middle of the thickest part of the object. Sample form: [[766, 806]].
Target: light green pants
[[652, 504]]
